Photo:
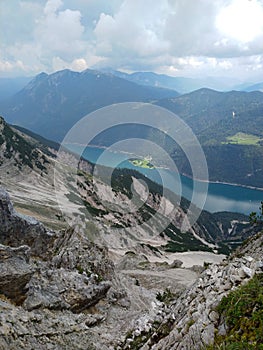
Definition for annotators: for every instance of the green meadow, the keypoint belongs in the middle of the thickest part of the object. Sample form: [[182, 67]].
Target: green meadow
[[243, 139]]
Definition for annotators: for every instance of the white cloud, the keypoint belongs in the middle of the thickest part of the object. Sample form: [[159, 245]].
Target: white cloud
[[60, 31], [136, 29], [79, 64], [10, 66], [175, 36], [241, 20], [52, 6]]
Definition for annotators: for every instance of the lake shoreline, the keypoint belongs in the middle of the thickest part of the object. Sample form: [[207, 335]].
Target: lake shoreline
[[224, 183], [184, 174]]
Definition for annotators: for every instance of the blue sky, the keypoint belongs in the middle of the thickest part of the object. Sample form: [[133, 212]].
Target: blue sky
[[175, 37]]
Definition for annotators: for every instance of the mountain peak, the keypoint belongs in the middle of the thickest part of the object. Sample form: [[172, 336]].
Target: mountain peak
[[51, 104]]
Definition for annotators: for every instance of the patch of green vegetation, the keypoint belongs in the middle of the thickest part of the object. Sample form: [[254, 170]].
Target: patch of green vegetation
[[28, 154], [95, 211], [142, 163], [182, 242], [44, 213], [166, 297], [80, 269], [241, 138], [189, 324], [143, 263], [72, 197], [255, 218], [242, 310]]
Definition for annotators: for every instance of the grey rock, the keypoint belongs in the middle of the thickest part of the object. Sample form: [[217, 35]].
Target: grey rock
[[213, 316], [226, 286], [75, 251], [64, 289], [17, 230], [194, 314], [176, 264], [249, 258], [15, 272], [208, 334], [247, 271]]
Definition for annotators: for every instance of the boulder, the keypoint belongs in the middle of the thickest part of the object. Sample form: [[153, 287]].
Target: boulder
[[15, 272], [63, 289], [176, 264], [17, 229]]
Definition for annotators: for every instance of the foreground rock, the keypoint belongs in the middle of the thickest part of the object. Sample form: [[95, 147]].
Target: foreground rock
[[63, 289], [17, 230], [15, 271], [47, 280]]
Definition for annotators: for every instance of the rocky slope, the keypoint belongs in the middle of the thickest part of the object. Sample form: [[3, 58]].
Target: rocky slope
[[133, 211], [58, 290], [27, 172], [19, 152], [192, 320], [46, 279]]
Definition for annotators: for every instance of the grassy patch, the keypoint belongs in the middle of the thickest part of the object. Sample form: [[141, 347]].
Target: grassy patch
[[242, 311], [166, 297], [243, 139]]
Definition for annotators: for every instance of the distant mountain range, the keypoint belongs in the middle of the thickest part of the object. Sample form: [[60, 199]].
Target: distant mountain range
[[254, 87], [204, 108], [181, 84], [51, 104]]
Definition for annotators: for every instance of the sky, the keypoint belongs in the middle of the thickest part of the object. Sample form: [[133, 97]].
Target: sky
[[191, 38]]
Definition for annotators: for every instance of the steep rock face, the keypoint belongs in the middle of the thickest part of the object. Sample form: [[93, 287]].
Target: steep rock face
[[190, 321], [47, 284], [63, 289], [145, 215], [17, 230], [15, 271], [74, 251], [18, 151]]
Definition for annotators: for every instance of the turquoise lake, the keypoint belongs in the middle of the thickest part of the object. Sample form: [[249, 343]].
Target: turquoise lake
[[220, 197]]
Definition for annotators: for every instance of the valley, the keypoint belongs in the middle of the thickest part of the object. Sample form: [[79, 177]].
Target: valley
[[50, 105], [220, 196], [110, 263]]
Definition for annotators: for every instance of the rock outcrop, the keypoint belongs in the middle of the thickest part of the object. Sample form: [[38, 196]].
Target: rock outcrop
[[15, 271], [47, 280], [17, 230]]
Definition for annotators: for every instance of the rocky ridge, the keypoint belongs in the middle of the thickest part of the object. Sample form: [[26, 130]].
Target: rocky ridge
[[190, 321]]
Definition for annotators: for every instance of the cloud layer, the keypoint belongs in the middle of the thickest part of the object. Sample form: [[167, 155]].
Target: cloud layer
[[178, 37]]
